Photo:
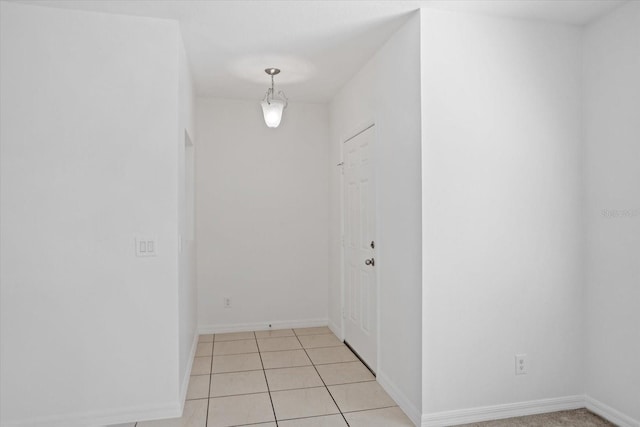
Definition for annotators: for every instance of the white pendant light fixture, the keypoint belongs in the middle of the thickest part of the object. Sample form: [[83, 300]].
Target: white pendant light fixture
[[273, 105]]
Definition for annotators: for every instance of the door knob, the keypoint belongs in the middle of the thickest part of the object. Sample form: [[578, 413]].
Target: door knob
[[370, 262]]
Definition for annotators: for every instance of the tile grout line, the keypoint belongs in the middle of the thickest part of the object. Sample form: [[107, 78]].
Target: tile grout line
[[236, 372], [310, 348], [273, 409], [303, 418], [374, 409], [249, 394], [213, 343], [319, 364], [270, 338], [319, 386], [322, 379]]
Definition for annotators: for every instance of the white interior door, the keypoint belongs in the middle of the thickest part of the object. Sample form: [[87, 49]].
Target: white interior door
[[360, 290]]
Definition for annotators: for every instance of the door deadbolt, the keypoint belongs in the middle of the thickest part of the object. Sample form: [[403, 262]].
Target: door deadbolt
[[370, 262], [373, 244]]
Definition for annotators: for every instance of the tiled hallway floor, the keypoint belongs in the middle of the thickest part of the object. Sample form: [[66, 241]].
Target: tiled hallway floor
[[287, 378]]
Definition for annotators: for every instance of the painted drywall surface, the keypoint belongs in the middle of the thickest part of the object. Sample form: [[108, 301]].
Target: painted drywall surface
[[261, 215], [501, 170], [187, 292], [612, 171], [88, 161], [387, 92]]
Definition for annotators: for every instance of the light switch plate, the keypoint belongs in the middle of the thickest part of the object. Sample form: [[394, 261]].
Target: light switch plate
[[146, 246]]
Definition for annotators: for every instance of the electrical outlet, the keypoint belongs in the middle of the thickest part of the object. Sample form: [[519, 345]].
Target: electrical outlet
[[227, 302], [522, 365]]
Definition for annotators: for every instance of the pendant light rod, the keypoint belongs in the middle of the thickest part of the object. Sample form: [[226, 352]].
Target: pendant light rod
[[272, 72]]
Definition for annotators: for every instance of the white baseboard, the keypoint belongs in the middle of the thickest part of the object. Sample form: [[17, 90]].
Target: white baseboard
[[261, 326], [407, 407], [610, 414], [100, 419], [185, 381], [496, 412]]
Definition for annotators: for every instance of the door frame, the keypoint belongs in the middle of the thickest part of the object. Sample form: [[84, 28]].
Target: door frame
[[357, 130]]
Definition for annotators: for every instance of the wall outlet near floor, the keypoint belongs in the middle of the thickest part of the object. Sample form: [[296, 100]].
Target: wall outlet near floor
[[227, 302], [522, 364]]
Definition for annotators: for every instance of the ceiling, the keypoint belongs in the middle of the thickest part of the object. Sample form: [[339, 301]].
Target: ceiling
[[318, 45]]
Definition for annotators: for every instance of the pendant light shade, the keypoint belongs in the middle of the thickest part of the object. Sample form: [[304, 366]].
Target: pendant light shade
[[273, 105], [272, 111]]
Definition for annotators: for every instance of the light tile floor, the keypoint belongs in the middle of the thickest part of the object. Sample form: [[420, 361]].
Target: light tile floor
[[287, 378]]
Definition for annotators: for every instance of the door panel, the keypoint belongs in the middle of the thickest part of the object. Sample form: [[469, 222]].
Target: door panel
[[359, 221]]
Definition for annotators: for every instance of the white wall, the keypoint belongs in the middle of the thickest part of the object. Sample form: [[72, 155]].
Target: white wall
[[89, 106], [612, 172], [387, 91], [501, 171], [187, 291], [261, 216]]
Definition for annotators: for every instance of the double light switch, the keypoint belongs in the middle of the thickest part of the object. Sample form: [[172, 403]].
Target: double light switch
[[146, 246]]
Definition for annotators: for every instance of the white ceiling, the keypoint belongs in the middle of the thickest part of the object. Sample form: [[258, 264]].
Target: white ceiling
[[318, 45]]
